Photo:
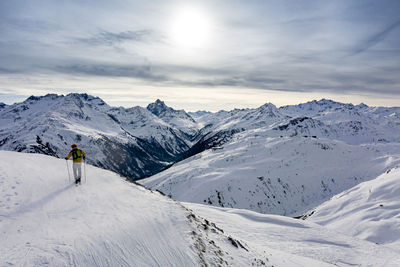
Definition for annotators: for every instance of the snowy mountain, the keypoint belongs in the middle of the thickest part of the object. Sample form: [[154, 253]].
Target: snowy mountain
[[283, 176], [353, 124], [367, 211], [283, 161], [178, 118], [267, 159], [47, 221], [133, 142]]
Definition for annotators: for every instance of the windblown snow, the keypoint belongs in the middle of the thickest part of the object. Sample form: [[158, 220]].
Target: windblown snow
[[46, 221], [370, 210]]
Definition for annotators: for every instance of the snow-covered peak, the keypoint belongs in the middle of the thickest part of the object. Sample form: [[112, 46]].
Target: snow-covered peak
[[178, 118], [268, 106], [158, 107], [33, 98], [270, 110], [57, 121], [199, 113], [362, 106], [2, 105], [315, 107]]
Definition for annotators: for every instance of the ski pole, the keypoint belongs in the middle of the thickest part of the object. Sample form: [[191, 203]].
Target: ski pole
[[69, 176], [84, 166]]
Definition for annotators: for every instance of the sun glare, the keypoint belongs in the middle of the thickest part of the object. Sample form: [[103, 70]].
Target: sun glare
[[190, 28]]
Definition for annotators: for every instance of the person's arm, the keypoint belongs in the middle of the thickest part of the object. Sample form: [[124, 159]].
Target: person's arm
[[69, 155], [84, 155]]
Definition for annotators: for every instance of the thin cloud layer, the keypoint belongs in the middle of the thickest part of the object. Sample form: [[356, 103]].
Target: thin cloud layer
[[336, 47]]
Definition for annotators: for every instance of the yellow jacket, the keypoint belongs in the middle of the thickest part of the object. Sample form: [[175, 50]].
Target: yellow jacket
[[77, 155]]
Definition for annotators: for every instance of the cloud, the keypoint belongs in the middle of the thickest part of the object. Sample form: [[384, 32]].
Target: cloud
[[270, 45], [112, 70], [8, 71], [111, 38], [376, 38]]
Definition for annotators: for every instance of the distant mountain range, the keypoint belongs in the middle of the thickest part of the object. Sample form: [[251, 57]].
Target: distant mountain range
[[283, 160], [133, 142], [268, 159]]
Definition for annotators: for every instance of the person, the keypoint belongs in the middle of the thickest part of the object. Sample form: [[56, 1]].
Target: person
[[77, 156]]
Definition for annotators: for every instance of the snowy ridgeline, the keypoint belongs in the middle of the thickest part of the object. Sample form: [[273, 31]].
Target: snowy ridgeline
[[133, 142], [285, 176], [370, 210], [47, 221], [271, 160], [138, 142]]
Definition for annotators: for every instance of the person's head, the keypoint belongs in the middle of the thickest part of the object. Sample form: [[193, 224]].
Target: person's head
[[74, 146]]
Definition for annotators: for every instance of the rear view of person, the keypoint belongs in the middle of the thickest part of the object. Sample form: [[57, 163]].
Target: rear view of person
[[77, 156]]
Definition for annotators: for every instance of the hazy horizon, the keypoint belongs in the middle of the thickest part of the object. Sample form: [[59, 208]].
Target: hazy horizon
[[195, 110]]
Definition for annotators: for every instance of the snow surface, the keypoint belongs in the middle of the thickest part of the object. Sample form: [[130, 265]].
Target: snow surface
[[297, 237], [107, 221], [283, 160], [370, 210], [285, 176]]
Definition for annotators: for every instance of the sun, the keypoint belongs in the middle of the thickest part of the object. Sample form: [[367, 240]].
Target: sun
[[190, 28]]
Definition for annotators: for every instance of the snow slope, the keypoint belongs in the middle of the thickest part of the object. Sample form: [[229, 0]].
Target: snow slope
[[370, 210], [278, 175], [300, 238], [47, 221], [283, 161]]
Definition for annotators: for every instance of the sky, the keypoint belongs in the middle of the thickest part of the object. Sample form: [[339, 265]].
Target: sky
[[202, 55]]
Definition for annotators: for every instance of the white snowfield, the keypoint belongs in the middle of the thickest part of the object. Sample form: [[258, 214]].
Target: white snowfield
[[284, 176], [370, 210], [45, 220], [298, 237]]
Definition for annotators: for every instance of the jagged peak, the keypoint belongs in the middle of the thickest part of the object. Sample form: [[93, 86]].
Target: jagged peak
[[268, 106], [158, 107], [37, 98], [86, 98], [82, 96], [362, 105], [159, 102]]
